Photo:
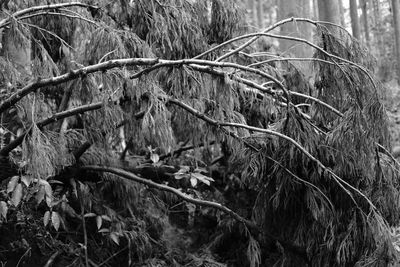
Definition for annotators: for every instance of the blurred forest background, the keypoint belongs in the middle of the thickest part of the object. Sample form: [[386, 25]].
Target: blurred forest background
[[199, 133], [374, 23]]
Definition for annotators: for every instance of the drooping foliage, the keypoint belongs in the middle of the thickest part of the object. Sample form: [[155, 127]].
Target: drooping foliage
[[110, 118]]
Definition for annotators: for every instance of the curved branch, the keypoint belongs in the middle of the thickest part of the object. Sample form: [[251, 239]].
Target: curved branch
[[264, 89], [58, 116], [33, 86], [22, 12], [155, 63], [130, 176], [340, 182], [278, 24]]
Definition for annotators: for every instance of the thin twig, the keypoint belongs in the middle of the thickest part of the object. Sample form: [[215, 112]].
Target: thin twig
[[50, 261]]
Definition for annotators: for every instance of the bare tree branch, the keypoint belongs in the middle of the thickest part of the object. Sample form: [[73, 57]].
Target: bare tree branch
[[22, 12], [33, 86], [251, 225], [253, 228]]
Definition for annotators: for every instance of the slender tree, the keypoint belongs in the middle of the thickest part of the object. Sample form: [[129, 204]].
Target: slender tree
[[341, 11], [355, 23], [396, 27], [329, 10], [365, 24], [260, 14]]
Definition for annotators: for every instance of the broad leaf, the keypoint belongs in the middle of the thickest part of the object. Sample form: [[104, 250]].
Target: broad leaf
[[27, 180], [114, 237], [106, 217], [17, 195], [193, 181], [49, 201], [155, 158], [46, 218], [12, 184], [40, 195], [202, 178], [89, 215], [47, 188], [55, 220], [99, 222], [3, 209], [180, 176]]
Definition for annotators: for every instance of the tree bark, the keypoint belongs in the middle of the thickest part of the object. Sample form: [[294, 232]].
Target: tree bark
[[329, 11], [341, 11], [396, 27], [364, 18], [260, 14], [355, 23]]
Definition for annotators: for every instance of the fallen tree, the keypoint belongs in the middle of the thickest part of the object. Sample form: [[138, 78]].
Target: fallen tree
[[110, 137]]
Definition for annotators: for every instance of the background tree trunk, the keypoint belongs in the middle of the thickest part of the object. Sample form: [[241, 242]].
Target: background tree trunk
[[260, 14], [315, 9], [396, 27], [355, 23], [377, 28], [328, 10], [341, 10], [364, 18]]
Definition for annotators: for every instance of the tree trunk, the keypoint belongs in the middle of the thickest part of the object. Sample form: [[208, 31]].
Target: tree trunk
[[295, 8], [341, 10], [378, 28], [315, 9], [364, 18], [396, 27], [254, 13], [328, 10], [260, 14], [355, 24]]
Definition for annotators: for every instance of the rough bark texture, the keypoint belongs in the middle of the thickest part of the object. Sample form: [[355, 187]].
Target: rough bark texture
[[396, 26], [355, 23]]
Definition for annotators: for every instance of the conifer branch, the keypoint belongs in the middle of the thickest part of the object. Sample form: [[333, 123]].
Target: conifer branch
[[272, 27], [22, 12], [47, 13], [130, 176], [33, 86], [253, 228], [54, 118], [339, 181], [195, 64], [58, 116]]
